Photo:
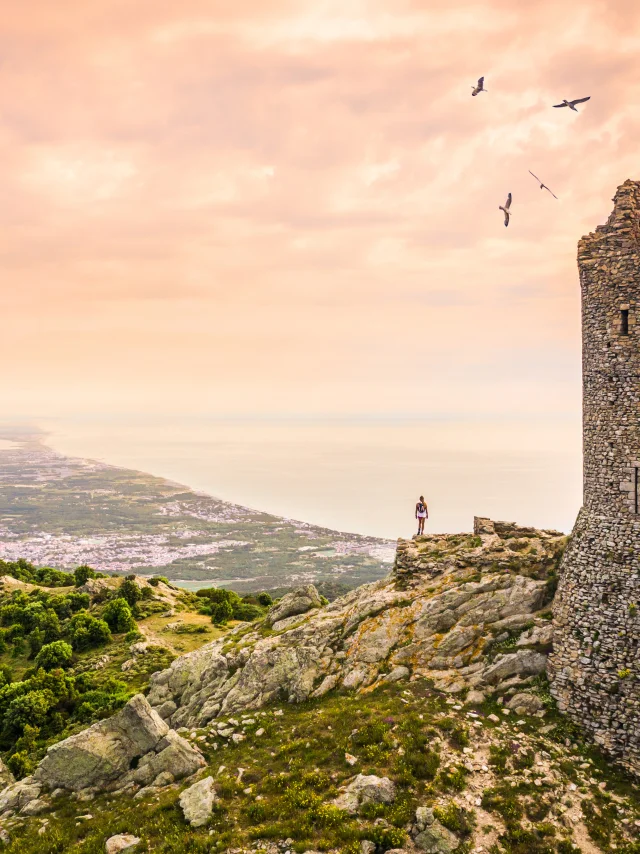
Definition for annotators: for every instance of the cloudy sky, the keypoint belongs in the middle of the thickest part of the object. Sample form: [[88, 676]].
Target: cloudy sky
[[290, 207]]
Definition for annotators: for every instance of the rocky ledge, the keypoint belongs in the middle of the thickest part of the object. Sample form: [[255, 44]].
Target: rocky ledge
[[468, 611]]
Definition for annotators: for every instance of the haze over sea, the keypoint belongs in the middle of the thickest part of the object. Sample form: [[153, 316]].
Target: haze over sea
[[362, 475]]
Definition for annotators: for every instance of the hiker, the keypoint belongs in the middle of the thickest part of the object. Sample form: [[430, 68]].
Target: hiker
[[421, 514]]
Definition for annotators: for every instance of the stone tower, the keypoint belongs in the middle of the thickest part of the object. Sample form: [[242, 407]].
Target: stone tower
[[595, 667]]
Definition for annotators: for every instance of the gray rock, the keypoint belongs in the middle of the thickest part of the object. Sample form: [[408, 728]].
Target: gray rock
[[197, 802], [6, 777], [367, 847], [18, 795], [366, 790], [436, 839], [121, 842], [36, 806], [397, 674], [525, 704], [101, 758], [522, 663], [424, 817], [105, 751], [475, 698], [299, 601]]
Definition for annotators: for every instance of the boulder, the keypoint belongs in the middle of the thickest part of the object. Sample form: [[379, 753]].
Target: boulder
[[134, 747], [197, 802], [436, 839], [121, 842], [105, 751], [522, 663], [6, 777], [525, 704], [299, 601], [173, 755], [366, 790], [18, 795]]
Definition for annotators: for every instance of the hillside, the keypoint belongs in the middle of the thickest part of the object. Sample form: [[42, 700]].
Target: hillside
[[412, 713], [61, 512]]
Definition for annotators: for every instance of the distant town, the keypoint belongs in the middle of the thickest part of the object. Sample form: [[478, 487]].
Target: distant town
[[62, 512]]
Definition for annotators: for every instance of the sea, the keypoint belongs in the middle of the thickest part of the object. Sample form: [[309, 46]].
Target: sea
[[360, 475]]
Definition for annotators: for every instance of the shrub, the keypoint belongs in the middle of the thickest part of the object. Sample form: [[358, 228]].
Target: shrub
[[77, 601], [247, 612], [221, 613], [20, 764], [157, 579], [36, 640], [117, 615], [56, 654], [129, 591], [86, 632], [82, 574], [456, 819], [30, 708], [265, 600]]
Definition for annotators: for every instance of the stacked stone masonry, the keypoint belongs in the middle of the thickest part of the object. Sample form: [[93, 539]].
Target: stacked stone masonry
[[595, 666]]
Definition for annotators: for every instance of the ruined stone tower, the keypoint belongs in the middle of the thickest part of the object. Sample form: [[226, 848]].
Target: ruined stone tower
[[595, 666]]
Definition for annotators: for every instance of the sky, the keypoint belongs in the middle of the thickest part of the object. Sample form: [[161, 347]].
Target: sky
[[278, 208]]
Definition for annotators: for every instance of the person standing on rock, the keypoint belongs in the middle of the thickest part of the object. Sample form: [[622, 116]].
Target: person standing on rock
[[421, 514]]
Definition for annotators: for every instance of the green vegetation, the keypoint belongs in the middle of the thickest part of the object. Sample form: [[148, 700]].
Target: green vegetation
[[52, 681], [224, 605], [296, 767]]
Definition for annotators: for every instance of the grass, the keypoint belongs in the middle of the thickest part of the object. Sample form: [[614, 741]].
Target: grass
[[293, 771]]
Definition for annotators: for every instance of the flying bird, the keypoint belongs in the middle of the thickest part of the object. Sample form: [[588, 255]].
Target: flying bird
[[506, 209], [542, 186], [479, 87], [572, 104]]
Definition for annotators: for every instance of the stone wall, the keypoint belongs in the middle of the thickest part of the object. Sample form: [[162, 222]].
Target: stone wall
[[595, 667]]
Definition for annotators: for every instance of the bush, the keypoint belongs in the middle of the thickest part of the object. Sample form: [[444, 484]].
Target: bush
[[117, 615], [246, 612], [157, 579], [130, 592], [221, 613], [56, 654], [36, 640], [82, 574], [265, 600], [86, 632], [20, 764]]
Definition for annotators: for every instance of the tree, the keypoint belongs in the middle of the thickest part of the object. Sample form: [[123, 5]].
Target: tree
[[130, 591], [221, 613], [56, 654], [86, 631], [36, 640], [117, 615], [82, 574], [265, 600]]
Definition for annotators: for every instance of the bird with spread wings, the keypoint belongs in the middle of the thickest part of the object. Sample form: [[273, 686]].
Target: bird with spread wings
[[543, 186], [479, 87], [572, 104], [506, 209]]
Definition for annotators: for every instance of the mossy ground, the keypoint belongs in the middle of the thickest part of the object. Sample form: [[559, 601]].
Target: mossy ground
[[510, 785]]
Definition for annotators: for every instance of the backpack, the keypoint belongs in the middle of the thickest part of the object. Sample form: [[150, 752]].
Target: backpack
[[421, 507]]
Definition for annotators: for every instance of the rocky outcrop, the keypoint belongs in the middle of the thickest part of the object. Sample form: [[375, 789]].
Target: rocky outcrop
[[446, 625], [133, 748], [297, 602]]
